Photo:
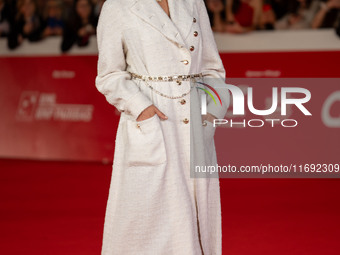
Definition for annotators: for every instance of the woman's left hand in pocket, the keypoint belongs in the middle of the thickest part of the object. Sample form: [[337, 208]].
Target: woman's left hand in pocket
[[208, 117]]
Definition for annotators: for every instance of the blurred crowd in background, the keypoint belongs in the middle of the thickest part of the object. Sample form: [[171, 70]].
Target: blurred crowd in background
[[76, 20], [34, 20], [241, 16]]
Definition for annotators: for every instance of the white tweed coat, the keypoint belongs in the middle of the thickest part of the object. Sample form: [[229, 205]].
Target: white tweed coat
[[154, 206]]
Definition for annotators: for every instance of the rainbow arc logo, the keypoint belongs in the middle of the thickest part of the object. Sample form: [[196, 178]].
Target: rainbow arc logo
[[209, 93]]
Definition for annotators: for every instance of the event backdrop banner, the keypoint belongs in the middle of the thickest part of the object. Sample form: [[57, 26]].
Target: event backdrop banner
[[51, 110]]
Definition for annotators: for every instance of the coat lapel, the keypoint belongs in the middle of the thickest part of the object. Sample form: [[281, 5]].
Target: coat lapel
[[181, 15], [175, 29]]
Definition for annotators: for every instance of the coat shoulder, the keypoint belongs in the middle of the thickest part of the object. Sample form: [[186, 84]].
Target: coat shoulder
[[115, 9], [119, 3]]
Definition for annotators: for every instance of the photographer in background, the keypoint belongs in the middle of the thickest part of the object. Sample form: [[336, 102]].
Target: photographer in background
[[300, 16], [243, 15], [53, 22], [4, 18], [80, 26], [268, 16], [27, 23], [216, 10], [337, 27], [327, 15]]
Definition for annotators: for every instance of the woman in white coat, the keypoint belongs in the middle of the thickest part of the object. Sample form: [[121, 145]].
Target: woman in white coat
[[151, 57]]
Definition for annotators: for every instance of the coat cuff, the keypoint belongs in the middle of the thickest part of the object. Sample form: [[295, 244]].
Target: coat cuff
[[136, 104], [217, 110]]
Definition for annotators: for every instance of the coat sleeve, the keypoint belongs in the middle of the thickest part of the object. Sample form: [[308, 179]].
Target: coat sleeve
[[112, 79], [212, 66]]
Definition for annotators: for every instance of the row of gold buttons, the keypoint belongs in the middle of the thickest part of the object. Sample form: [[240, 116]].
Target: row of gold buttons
[[192, 48], [186, 62]]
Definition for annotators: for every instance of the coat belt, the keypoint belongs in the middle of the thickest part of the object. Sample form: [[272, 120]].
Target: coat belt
[[184, 77]]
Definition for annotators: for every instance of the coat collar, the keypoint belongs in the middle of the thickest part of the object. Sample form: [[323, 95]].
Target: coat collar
[[175, 29]]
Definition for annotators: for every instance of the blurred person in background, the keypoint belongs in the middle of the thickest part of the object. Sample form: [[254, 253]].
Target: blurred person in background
[[67, 8], [216, 10], [40, 6], [268, 17], [243, 15], [80, 26], [53, 18], [97, 6], [337, 29], [328, 14], [4, 18], [280, 8], [26, 24], [300, 16]]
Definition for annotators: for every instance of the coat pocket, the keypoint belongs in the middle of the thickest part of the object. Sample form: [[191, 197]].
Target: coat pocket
[[145, 145]]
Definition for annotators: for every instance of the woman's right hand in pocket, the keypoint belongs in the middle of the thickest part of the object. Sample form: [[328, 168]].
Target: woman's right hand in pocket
[[149, 112]]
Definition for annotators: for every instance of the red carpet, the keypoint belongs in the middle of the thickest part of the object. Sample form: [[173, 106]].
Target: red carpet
[[58, 208]]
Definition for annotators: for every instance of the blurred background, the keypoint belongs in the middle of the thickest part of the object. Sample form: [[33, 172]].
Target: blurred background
[[57, 132], [75, 21]]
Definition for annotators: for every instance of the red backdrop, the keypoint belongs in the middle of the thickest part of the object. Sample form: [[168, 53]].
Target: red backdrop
[[51, 109]]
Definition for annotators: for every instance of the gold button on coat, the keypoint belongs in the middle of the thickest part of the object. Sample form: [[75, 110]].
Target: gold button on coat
[[185, 62], [186, 121], [192, 48], [183, 101], [195, 33], [194, 20]]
